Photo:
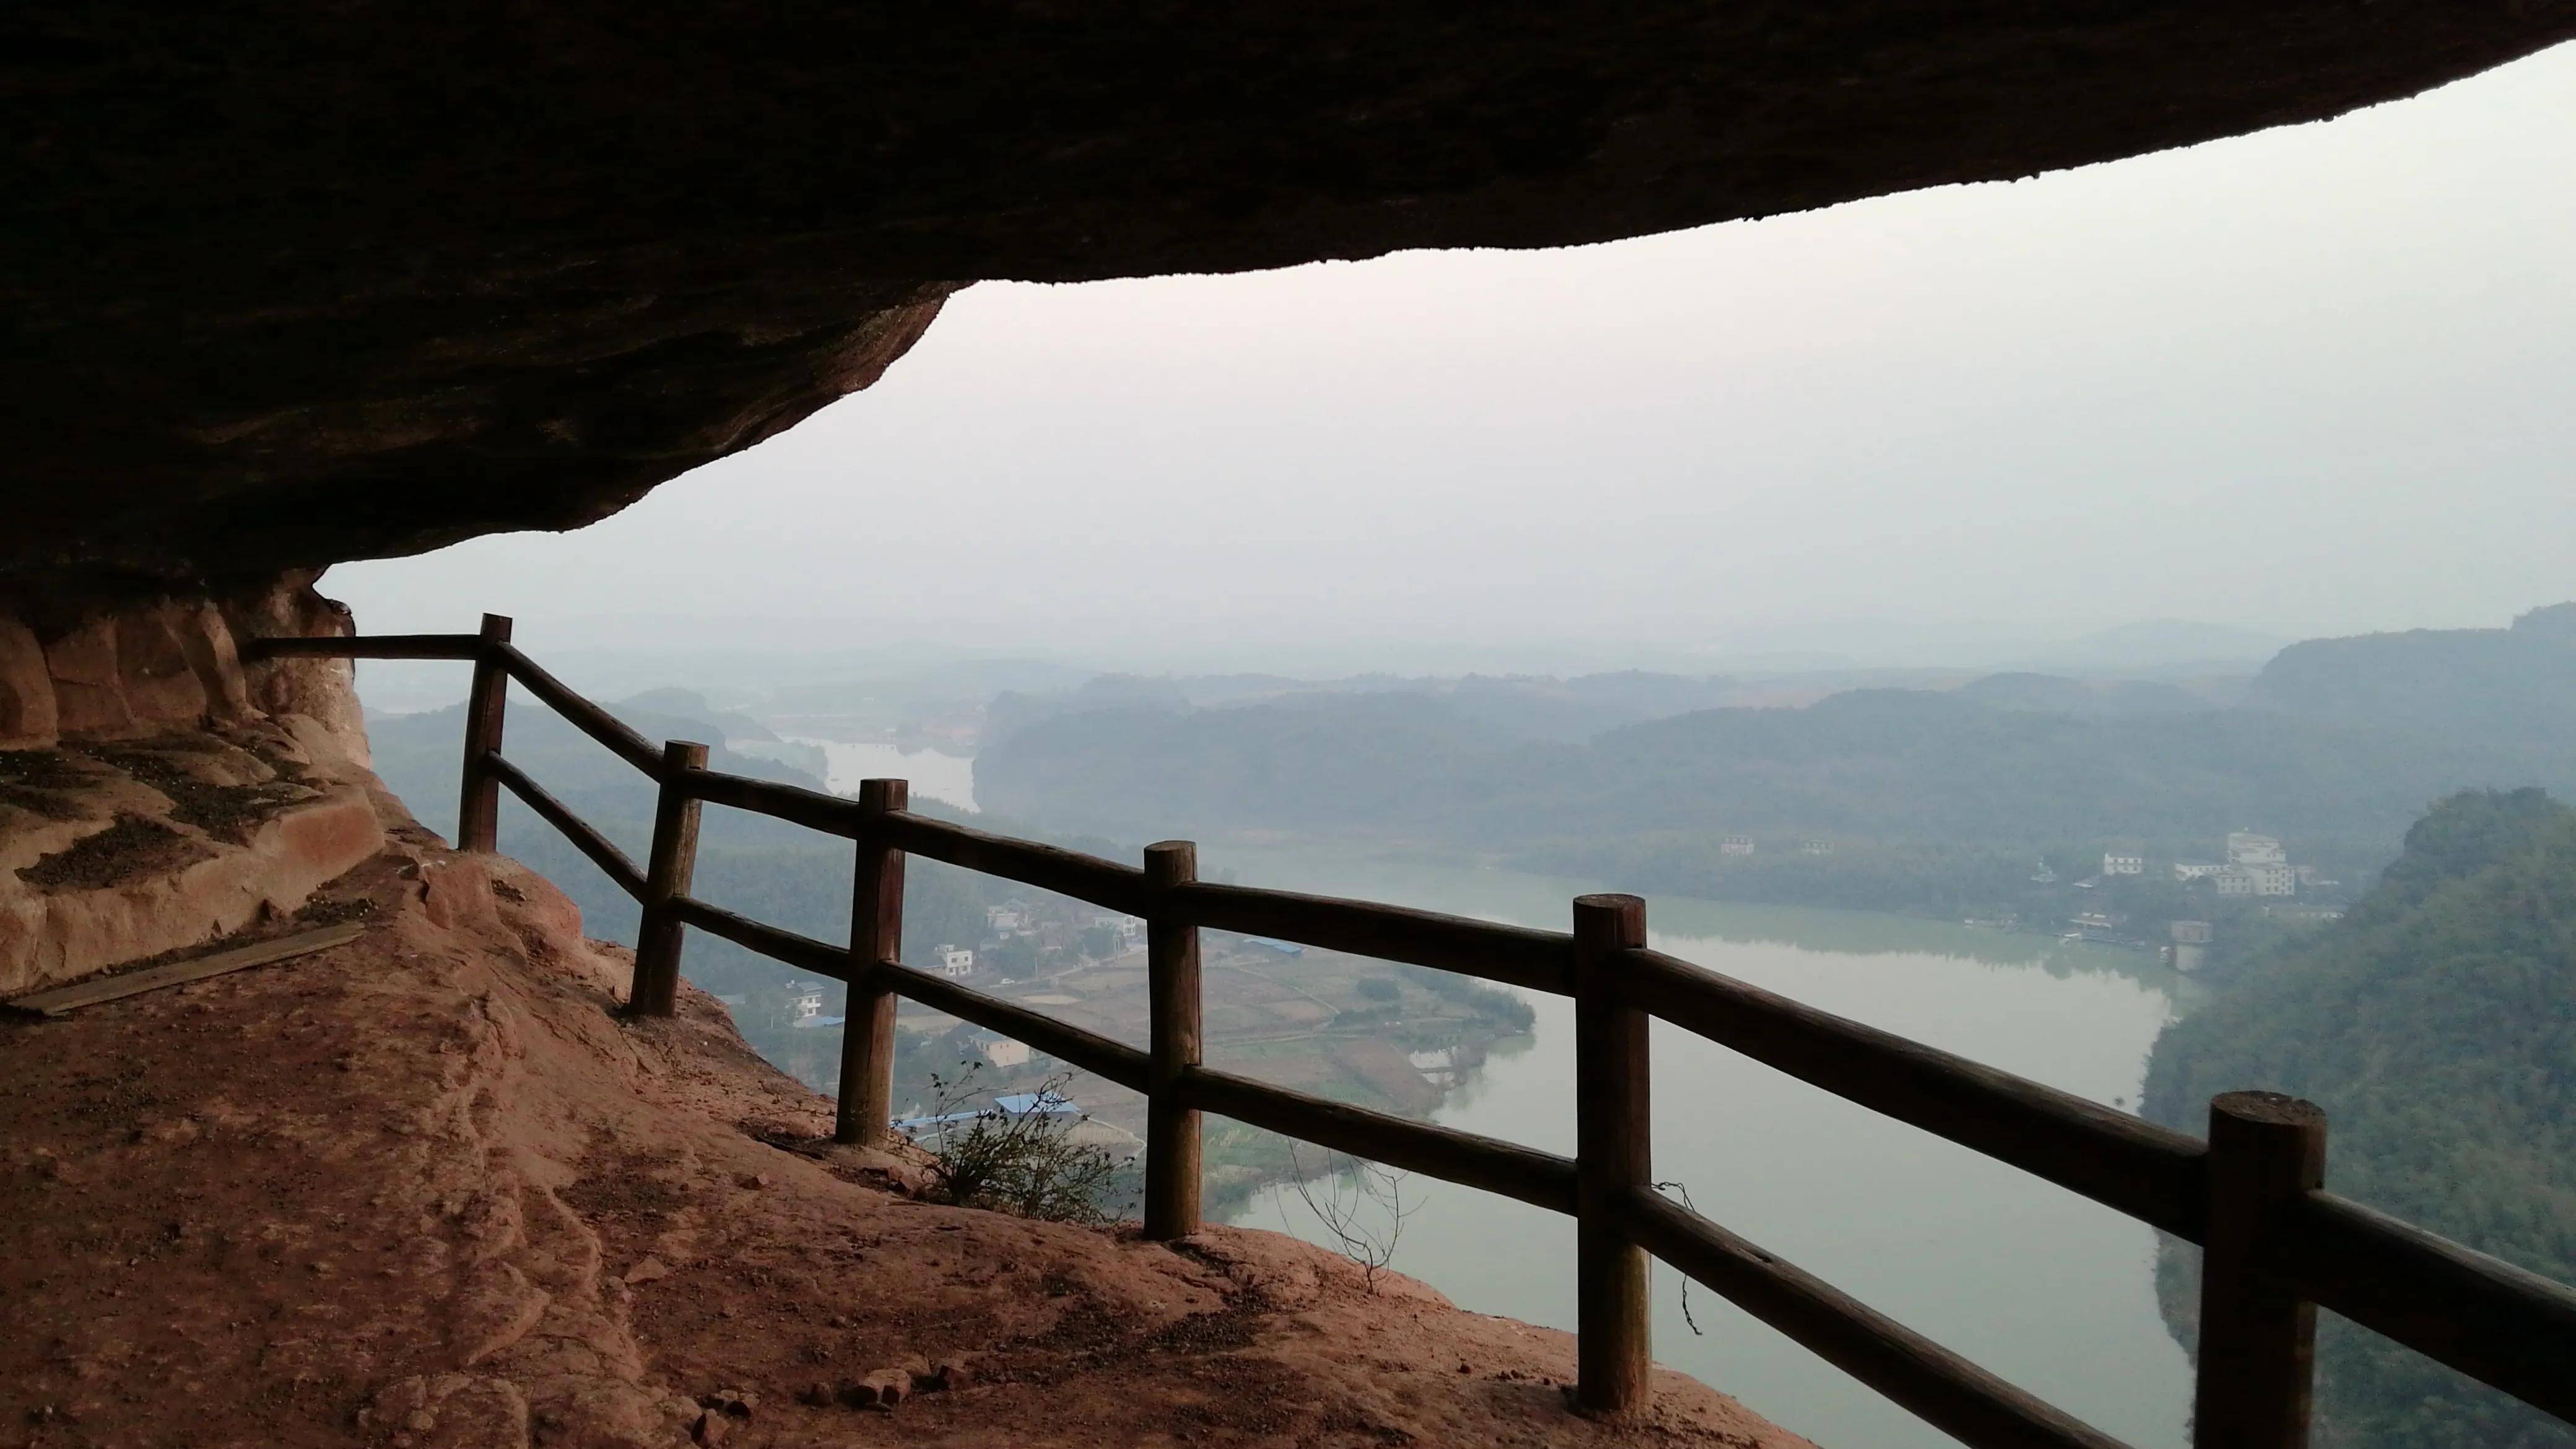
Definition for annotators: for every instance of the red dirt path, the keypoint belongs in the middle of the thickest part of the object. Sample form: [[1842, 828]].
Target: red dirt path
[[427, 1190]]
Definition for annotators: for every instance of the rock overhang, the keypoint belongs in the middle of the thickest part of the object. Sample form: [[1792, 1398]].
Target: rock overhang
[[299, 282]]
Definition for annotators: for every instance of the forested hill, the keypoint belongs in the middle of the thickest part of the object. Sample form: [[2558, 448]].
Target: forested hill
[[2436, 1024], [1883, 766], [2498, 685]]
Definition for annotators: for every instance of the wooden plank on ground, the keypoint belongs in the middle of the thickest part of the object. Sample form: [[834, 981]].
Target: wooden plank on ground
[[61, 999]]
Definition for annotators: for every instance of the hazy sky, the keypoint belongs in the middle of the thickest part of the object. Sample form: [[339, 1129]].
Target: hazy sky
[[2312, 381]]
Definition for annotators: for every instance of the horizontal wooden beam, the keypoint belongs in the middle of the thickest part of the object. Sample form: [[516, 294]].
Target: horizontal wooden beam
[[2140, 1169], [361, 646], [554, 812], [2495, 1322], [820, 957], [1048, 867], [1090, 1051], [1525, 1174], [831, 814], [1936, 1385], [1514, 955], [583, 715]]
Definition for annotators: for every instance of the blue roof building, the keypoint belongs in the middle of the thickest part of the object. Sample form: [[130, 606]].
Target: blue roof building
[[1009, 1104]]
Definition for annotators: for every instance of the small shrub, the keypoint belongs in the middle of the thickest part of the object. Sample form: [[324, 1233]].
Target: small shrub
[[1024, 1163]]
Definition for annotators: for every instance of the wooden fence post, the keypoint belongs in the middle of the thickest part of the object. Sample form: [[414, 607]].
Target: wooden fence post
[[1172, 984], [667, 874], [2257, 1338], [478, 807], [876, 935], [1613, 1158]]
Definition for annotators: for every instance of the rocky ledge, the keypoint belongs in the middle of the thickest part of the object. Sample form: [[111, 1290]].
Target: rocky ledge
[[157, 793], [113, 852], [429, 1189]]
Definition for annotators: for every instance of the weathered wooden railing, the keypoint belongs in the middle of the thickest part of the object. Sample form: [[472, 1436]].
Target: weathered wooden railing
[[2275, 1244]]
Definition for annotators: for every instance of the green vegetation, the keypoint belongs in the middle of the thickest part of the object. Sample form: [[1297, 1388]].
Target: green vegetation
[[2436, 1024], [1939, 803], [2492, 685], [1028, 1163]]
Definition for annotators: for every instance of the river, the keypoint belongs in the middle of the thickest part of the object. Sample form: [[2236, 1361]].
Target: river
[[933, 775], [2045, 1288]]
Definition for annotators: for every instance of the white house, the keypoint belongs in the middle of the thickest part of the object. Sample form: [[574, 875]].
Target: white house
[[2233, 881], [1002, 919], [2189, 870], [2113, 864], [998, 1049], [1127, 927], [954, 960], [2273, 878], [2244, 847], [1736, 845]]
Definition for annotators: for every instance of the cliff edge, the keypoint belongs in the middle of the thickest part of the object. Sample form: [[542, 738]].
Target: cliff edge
[[429, 1189]]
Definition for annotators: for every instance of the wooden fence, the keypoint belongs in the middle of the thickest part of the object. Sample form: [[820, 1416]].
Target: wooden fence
[[2275, 1245]]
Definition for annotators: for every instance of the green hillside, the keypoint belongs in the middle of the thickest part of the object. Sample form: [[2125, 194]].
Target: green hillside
[[1946, 787], [2436, 1024], [2491, 685]]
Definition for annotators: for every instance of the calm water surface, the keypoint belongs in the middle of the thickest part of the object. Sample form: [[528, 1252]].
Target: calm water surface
[[2038, 1285], [949, 778]]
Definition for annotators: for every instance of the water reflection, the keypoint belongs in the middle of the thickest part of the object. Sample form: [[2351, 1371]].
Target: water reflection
[[935, 776], [2043, 1287]]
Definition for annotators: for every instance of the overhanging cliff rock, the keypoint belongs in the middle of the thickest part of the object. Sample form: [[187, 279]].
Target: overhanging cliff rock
[[296, 282]]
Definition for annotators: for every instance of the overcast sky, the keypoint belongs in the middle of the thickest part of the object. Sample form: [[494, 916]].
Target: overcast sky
[[2312, 381]]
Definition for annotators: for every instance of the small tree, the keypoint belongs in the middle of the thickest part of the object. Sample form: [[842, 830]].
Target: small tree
[[1361, 1205], [1015, 958]]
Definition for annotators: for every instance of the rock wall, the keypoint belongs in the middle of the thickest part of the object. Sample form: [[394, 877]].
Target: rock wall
[[99, 665], [300, 281], [156, 792]]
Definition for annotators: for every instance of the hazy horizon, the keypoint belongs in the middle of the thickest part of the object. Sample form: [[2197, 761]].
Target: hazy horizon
[[2306, 382]]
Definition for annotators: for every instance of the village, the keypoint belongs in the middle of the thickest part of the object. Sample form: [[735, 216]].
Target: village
[[2257, 870]]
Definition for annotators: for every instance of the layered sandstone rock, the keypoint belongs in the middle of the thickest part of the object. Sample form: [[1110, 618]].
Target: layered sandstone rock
[[104, 664], [428, 1190], [112, 852], [155, 792]]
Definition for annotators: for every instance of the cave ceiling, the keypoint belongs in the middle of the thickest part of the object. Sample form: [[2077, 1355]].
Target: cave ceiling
[[297, 281]]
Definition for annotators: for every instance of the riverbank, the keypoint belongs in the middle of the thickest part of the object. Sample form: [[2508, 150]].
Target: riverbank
[[2046, 1289]]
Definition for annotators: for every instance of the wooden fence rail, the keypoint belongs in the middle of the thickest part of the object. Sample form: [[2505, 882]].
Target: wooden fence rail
[[2276, 1245]]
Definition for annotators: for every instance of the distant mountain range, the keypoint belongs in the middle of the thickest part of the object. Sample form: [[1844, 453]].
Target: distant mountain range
[[2341, 744], [2160, 645], [2497, 686]]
